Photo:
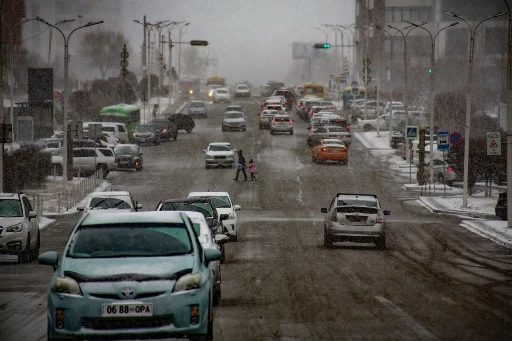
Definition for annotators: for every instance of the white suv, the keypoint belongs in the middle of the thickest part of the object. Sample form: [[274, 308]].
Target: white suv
[[19, 227], [221, 95], [87, 160], [242, 90], [224, 205]]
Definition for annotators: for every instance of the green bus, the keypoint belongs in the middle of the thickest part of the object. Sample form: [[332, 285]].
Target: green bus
[[128, 114]]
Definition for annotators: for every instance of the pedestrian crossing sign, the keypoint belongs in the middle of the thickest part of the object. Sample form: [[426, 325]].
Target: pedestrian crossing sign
[[412, 132]]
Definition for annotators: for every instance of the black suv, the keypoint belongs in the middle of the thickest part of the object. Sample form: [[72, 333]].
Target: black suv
[[288, 94], [501, 206], [182, 121]]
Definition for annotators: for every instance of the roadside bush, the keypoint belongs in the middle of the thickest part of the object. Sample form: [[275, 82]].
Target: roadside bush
[[27, 167]]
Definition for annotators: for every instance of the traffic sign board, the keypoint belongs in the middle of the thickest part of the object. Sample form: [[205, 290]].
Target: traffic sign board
[[455, 138], [443, 139], [411, 132], [493, 143], [355, 91]]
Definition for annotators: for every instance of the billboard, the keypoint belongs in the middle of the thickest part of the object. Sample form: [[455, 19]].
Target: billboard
[[40, 84]]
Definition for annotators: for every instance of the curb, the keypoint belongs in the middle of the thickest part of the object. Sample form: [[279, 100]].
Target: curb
[[428, 203], [474, 227]]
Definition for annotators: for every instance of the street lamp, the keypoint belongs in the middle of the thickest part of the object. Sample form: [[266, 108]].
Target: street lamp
[[353, 50], [432, 90], [169, 41], [50, 38], [179, 49], [325, 32], [406, 89], [67, 161], [468, 100]]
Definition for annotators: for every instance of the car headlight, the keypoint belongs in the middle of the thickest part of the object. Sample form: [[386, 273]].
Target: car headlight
[[210, 157], [188, 282], [66, 285], [191, 91], [134, 134], [15, 228]]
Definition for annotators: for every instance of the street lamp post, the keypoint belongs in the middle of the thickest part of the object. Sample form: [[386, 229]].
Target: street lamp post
[[406, 89], [51, 38], [353, 49], [67, 160], [467, 129], [169, 41], [432, 89], [179, 49]]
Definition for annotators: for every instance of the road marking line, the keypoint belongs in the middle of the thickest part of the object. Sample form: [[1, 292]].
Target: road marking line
[[418, 328]]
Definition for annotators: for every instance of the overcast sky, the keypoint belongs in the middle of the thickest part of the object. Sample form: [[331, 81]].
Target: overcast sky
[[250, 39]]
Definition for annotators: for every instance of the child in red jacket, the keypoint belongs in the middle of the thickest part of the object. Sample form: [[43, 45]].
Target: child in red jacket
[[252, 169]]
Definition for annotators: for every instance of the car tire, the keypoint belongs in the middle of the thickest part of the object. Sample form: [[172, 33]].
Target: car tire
[[272, 132], [291, 132], [223, 129], [207, 167], [24, 257], [327, 240], [104, 170], [138, 169], [314, 159], [380, 243], [245, 129]]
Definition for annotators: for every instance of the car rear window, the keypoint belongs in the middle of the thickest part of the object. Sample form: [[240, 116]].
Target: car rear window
[[356, 202], [204, 208], [357, 209], [219, 148], [99, 203], [281, 118], [131, 240]]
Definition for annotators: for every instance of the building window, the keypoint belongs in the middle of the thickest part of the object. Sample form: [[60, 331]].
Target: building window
[[388, 15], [417, 13]]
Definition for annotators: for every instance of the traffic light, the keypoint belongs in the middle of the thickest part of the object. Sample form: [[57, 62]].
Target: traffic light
[[322, 46], [198, 42], [429, 70]]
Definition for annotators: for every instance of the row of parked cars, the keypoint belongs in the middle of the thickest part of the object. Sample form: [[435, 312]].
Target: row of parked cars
[[159, 270]]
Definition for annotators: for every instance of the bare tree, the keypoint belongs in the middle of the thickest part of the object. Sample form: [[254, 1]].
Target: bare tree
[[101, 49]]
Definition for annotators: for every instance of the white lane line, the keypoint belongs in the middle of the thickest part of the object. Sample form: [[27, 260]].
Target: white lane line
[[418, 328]]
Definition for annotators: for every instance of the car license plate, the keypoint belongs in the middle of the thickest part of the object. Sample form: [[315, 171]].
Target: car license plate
[[126, 309], [142, 140]]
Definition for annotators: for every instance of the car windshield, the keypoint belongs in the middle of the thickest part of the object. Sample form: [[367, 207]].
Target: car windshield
[[197, 105], [220, 91], [10, 208], [220, 202], [233, 115], [131, 240], [145, 128], [219, 148], [125, 149], [202, 207], [102, 203]]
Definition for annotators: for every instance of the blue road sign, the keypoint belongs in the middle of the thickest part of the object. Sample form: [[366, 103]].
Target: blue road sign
[[412, 132], [355, 91], [443, 139]]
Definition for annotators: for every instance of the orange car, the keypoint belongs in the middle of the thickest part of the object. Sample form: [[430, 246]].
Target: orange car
[[330, 150]]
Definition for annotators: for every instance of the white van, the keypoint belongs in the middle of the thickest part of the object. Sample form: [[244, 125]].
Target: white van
[[118, 129]]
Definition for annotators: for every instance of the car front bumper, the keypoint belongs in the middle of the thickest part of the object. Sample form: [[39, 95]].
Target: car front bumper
[[171, 316], [13, 242]]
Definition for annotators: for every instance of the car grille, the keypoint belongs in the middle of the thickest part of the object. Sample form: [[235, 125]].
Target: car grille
[[217, 157], [116, 297], [127, 322]]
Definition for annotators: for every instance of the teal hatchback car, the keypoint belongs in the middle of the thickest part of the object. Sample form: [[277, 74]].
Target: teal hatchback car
[[135, 275]]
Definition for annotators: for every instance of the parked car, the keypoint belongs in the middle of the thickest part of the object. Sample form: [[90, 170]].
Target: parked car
[[234, 120], [86, 160], [19, 227], [149, 268], [197, 108], [49, 144], [281, 124], [221, 95], [224, 205], [110, 201], [444, 173], [501, 206], [183, 121], [213, 241], [166, 128], [129, 156], [118, 129], [356, 218], [219, 154], [371, 124]]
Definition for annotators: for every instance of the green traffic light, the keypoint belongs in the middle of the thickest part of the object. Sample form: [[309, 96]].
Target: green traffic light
[[327, 46], [429, 70]]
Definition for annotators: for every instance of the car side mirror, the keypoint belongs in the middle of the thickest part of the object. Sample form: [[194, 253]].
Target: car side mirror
[[323, 210], [32, 215], [386, 212], [49, 258], [237, 207], [138, 207], [211, 255], [224, 217]]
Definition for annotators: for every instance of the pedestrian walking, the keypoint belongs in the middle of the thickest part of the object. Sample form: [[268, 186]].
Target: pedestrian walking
[[241, 166], [251, 166]]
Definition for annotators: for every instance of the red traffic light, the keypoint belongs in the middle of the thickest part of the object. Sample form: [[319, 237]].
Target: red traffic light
[[198, 42]]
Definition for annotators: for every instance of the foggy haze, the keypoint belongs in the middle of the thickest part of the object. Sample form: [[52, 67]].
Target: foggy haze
[[249, 40]]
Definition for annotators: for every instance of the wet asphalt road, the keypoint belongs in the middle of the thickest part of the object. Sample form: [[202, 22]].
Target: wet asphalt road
[[435, 280]]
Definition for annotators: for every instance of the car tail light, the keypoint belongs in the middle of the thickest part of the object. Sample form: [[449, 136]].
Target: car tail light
[[348, 126], [291, 121], [323, 149], [380, 217], [450, 169], [262, 118]]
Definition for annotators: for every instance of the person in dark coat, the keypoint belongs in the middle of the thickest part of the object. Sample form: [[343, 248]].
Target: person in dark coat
[[241, 166]]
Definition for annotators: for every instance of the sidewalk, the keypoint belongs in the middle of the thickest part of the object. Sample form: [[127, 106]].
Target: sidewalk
[[480, 209]]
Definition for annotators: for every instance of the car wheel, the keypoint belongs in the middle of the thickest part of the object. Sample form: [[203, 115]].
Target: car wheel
[[234, 238], [327, 240], [314, 159], [245, 129], [138, 169], [272, 132], [207, 167], [381, 243], [24, 257], [291, 132], [367, 127]]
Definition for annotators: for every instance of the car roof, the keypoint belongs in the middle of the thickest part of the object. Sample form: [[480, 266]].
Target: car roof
[[220, 144], [109, 194], [9, 195], [206, 194], [132, 217]]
